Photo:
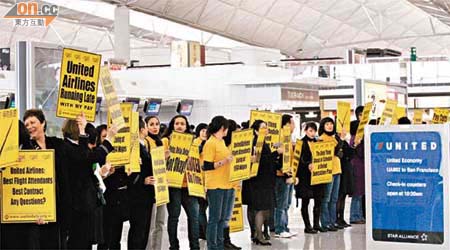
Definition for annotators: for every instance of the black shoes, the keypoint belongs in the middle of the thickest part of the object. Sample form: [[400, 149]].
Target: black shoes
[[338, 226], [320, 229], [343, 224], [310, 230], [230, 246], [331, 228], [262, 243]]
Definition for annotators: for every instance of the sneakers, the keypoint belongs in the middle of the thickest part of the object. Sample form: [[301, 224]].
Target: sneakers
[[284, 235], [293, 234]]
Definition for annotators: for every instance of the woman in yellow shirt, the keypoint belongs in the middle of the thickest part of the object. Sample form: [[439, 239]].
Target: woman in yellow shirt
[[216, 164], [180, 196], [327, 132]]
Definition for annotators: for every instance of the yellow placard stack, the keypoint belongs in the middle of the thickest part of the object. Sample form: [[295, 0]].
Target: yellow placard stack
[[180, 143], [237, 219], [78, 84], [122, 141], [273, 121], [241, 148], [9, 136], [159, 172], [343, 117], [134, 166], [388, 114], [418, 114], [194, 174], [363, 122], [296, 158], [322, 153], [440, 116], [287, 146], [28, 188], [258, 149], [112, 102]]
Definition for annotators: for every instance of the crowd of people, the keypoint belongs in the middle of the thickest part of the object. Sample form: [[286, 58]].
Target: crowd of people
[[94, 199]]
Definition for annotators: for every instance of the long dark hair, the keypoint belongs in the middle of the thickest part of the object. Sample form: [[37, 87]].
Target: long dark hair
[[232, 126], [171, 127], [285, 119], [100, 129], [157, 137], [199, 128], [322, 126], [216, 124], [255, 126]]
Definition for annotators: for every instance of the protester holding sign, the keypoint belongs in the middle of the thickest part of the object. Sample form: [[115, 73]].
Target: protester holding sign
[[304, 190], [201, 135], [259, 190], [85, 228], [141, 195], [116, 211], [51, 235], [228, 245], [180, 196], [216, 164], [17, 232], [327, 133], [158, 221], [283, 189]]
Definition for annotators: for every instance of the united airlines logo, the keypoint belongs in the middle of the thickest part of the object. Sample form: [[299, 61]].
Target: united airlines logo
[[406, 146]]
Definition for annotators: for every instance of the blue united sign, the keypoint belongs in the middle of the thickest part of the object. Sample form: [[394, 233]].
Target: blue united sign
[[407, 187]]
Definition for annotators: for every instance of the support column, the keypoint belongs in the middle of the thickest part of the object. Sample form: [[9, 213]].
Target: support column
[[122, 33]]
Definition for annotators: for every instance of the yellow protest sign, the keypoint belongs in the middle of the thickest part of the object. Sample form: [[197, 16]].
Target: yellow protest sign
[[417, 118], [122, 141], [28, 188], [237, 219], [159, 172], [112, 102], [287, 146], [296, 158], [78, 84], [134, 166], [364, 120], [388, 113], [400, 112], [273, 121], [322, 154], [241, 148], [343, 116], [440, 116], [194, 174], [180, 143], [9, 136], [258, 149]]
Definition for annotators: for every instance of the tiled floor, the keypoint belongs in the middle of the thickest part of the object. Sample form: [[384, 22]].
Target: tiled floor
[[350, 238]]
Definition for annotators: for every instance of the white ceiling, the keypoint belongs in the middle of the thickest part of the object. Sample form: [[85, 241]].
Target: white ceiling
[[299, 28], [305, 28]]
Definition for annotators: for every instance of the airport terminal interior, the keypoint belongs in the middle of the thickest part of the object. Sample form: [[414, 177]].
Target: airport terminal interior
[[225, 124]]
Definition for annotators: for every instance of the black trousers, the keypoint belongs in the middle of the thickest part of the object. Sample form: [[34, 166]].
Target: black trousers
[[114, 214], [78, 235], [140, 215]]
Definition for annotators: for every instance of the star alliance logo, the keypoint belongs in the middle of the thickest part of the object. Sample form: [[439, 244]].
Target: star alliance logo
[[424, 237]]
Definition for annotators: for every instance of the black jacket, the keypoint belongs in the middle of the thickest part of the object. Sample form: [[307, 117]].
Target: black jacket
[[63, 192], [304, 188], [138, 192], [83, 182]]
